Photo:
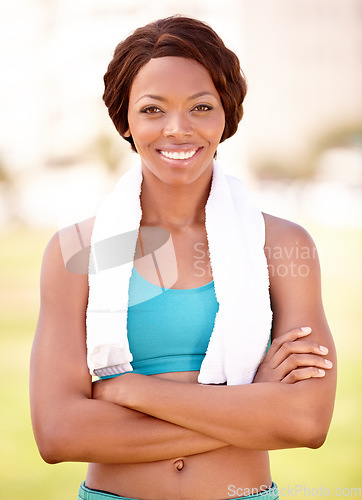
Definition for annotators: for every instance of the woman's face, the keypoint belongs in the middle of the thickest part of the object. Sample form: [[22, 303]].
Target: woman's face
[[176, 119]]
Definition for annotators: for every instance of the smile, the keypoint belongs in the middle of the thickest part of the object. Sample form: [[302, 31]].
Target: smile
[[178, 155]]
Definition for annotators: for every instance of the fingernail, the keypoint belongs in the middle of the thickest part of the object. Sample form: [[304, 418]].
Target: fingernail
[[321, 373], [306, 329], [328, 363], [323, 349]]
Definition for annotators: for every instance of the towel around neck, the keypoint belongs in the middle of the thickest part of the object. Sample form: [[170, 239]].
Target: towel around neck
[[236, 236]]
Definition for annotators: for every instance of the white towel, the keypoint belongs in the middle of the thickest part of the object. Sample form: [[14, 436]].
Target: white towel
[[236, 235]]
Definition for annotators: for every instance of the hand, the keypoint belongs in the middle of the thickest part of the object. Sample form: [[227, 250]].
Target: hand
[[102, 389], [290, 359], [116, 389], [108, 389]]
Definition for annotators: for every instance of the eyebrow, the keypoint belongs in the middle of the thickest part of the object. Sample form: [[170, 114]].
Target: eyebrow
[[162, 99]]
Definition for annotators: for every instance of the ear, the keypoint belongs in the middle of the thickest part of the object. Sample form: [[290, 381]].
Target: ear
[[127, 133]]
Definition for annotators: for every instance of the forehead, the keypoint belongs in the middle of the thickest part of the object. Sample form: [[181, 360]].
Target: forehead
[[172, 76]]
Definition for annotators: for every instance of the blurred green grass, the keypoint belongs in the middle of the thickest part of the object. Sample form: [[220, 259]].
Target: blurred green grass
[[23, 475]]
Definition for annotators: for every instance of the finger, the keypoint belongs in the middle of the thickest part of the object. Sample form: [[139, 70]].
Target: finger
[[298, 346], [295, 361], [290, 336], [303, 374]]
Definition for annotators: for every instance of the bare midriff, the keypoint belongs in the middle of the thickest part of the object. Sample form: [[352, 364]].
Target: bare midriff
[[213, 475]]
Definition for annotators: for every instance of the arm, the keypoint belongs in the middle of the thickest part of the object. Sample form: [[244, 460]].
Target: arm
[[263, 415], [68, 424]]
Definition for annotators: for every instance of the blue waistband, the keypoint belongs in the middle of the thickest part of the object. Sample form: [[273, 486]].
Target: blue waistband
[[90, 494]]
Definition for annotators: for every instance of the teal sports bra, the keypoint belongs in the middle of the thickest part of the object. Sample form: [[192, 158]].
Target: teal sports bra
[[169, 329]]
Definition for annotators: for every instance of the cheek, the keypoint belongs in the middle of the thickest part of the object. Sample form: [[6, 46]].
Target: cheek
[[216, 127], [143, 131]]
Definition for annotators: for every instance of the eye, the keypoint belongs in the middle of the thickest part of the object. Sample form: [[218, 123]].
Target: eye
[[151, 110], [202, 107]]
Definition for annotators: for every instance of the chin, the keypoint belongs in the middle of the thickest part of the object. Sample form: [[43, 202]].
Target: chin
[[177, 174]]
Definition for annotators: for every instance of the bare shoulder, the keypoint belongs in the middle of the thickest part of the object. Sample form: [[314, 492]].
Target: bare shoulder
[[291, 255], [64, 275], [70, 243], [284, 232], [74, 243]]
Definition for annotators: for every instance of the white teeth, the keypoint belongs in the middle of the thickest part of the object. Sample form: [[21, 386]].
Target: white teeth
[[183, 155]]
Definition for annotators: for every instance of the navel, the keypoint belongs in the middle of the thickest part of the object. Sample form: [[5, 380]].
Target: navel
[[179, 464]]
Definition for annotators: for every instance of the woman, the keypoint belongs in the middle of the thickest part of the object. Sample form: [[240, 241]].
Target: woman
[[175, 92]]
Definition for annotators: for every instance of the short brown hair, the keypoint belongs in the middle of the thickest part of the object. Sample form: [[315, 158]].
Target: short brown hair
[[182, 37]]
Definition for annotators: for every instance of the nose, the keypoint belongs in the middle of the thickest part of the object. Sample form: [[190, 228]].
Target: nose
[[177, 125]]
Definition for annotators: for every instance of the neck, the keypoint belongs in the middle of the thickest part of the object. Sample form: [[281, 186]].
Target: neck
[[176, 206]]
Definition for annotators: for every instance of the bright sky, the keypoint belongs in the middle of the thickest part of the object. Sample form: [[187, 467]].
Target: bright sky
[[301, 60]]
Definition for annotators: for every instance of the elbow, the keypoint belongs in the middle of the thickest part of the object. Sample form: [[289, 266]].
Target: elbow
[[318, 434], [50, 445], [49, 456], [316, 439], [301, 436], [50, 451], [312, 418], [312, 432]]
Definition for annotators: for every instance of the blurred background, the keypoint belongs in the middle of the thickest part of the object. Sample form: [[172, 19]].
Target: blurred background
[[298, 147]]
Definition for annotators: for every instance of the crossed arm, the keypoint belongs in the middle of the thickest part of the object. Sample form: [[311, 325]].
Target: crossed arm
[[120, 422], [264, 415], [68, 424]]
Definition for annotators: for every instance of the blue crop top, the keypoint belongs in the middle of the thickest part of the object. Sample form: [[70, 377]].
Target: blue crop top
[[169, 330]]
